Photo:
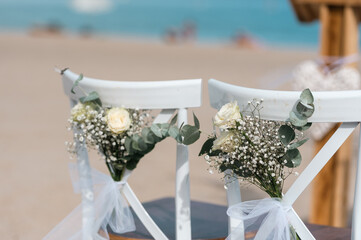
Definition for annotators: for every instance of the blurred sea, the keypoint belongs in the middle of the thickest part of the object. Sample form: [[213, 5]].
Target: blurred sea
[[269, 21]]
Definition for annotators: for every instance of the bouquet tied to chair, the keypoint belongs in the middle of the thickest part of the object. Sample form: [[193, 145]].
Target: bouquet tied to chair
[[263, 153], [122, 136]]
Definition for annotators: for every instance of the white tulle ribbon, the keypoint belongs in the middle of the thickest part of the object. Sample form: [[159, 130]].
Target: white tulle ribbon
[[266, 218], [110, 207]]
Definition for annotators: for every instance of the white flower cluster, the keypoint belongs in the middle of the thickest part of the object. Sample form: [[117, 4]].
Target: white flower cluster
[[250, 147], [105, 129]]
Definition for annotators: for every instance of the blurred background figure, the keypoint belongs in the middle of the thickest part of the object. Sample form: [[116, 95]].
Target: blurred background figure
[[245, 40], [189, 31]]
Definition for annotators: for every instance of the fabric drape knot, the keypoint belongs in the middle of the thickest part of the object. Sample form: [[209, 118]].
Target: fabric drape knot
[[266, 218], [110, 208]]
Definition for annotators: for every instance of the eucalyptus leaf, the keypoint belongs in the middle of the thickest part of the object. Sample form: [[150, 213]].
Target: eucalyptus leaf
[[76, 83], [214, 153], [146, 135], [306, 96], [286, 134], [156, 129], [190, 134], [91, 97], [207, 146], [297, 120], [128, 145], [304, 128], [132, 164], [173, 131], [164, 129], [142, 145], [306, 110], [135, 145], [298, 144], [174, 120], [196, 121], [293, 158]]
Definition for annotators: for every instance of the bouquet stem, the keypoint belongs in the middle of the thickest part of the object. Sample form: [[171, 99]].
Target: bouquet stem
[[114, 172]]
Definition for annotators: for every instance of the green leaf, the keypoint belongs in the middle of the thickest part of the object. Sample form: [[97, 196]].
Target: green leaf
[[304, 128], [293, 158], [306, 96], [306, 110], [196, 121], [298, 144], [156, 129], [138, 143], [297, 120], [91, 97], [174, 120], [133, 162], [190, 134], [207, 146], [286, 134], [135, 144], [128, 145], [142, 145], [147, 136], [174, 133], [223, 167], [164, 129], [76, 83], [215, 153]]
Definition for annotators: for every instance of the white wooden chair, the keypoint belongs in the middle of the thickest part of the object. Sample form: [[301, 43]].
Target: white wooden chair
[[337, 106], [170, 96]]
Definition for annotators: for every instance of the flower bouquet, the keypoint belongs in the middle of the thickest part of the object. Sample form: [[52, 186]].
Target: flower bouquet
[[121, 136], [261, 152]]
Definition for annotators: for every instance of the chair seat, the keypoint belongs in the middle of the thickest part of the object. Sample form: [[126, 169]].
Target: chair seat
[[209, 221]]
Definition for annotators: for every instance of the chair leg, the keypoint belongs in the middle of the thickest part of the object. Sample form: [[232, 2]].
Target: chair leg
[[88, 216], [233, 197], [142, 214], [356, 218], [299, 226]]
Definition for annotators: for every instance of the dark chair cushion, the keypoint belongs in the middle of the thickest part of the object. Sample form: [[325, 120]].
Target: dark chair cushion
[[209, 221]]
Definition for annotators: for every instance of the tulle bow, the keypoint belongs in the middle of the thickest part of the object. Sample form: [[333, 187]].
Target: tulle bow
[[110, 207], [265, 218]]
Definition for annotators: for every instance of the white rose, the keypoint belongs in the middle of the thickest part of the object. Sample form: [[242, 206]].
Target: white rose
[[228, 113], [224, 142], [118, 120]]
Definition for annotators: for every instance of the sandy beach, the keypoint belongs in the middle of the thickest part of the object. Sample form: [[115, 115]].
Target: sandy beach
[[36, 192]]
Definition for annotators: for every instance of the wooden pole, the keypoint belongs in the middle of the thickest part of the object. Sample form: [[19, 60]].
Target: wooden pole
[[339, 37]]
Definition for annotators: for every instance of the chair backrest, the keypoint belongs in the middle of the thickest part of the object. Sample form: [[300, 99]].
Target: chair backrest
[[169, 96], [336, 106]]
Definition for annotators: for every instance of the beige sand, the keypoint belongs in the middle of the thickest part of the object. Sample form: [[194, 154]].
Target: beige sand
[[35, 191]]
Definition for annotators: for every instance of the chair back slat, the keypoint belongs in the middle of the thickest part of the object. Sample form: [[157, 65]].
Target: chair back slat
[[335, 106], [164, 116], [142, 95], [356, 217], [319, 161]]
